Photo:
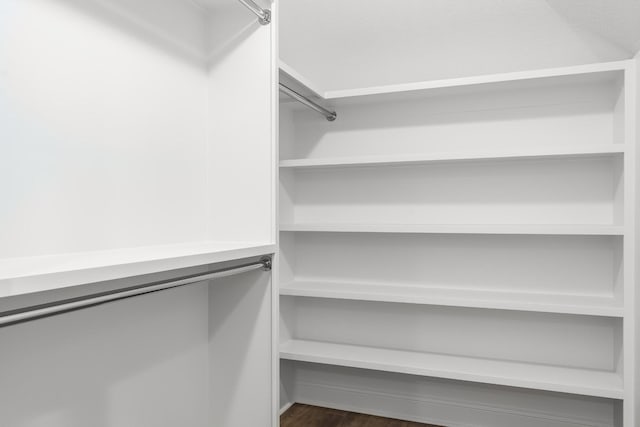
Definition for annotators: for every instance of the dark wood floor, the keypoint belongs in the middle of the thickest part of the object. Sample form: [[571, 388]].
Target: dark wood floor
[[312, 416]]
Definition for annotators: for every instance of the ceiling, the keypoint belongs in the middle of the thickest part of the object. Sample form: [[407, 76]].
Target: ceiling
[[341, 44]]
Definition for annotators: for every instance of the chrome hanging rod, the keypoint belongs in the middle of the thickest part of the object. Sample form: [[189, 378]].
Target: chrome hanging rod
[[264, 15], [72, 304], [330, 115]]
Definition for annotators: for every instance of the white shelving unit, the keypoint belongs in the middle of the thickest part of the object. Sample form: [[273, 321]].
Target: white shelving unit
[[458, 230]]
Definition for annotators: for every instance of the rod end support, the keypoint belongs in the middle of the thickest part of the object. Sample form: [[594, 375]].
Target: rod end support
[[266, 18], [332, 117], [267, 263]]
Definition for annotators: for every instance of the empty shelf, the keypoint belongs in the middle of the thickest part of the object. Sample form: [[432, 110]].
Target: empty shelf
[[588, 72], [513, 374], [539, 229], [458, 297], [449, 157]]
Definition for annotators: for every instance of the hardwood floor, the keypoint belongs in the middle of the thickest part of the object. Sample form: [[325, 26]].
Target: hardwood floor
[[313, 416]]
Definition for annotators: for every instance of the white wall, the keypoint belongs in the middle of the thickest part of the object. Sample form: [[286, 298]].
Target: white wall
[[102, 123], [132, 124], [240, 159], [241, 351]]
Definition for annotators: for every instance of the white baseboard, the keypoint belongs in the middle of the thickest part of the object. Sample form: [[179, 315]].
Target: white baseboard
[[431, 410], [285, 407]]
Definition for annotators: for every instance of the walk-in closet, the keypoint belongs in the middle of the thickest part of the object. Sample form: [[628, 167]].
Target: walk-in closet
[[253, 213]]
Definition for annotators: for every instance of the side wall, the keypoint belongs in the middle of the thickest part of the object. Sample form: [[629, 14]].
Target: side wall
[[240, 351], [241, 175], [240, 158]]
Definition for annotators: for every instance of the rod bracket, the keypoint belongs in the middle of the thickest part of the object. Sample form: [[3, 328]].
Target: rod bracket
[[266, 18], [329, 115], [264, 15], [267, 263]]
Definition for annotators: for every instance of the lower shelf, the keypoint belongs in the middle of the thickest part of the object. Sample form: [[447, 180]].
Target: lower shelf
[[458, 297], [526, 375]]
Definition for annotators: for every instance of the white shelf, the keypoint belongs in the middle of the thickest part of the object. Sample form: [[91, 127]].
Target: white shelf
[[597, 71], [514, 374], [34, 274], [538, 152], [460, 297], [537, 229], [292, 73]]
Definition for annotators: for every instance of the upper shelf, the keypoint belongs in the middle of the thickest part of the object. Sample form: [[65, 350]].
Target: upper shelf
[[606, 71], [20, 276], [536, 152]]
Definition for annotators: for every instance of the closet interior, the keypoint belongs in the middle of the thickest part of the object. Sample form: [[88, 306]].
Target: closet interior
[[214, 209]]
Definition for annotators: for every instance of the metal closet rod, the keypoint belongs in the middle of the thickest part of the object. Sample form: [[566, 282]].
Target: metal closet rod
[[330, 115], [72, 304], [264, 15]]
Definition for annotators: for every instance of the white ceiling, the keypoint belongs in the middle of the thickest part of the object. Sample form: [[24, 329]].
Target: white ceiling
[[340, 44]]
